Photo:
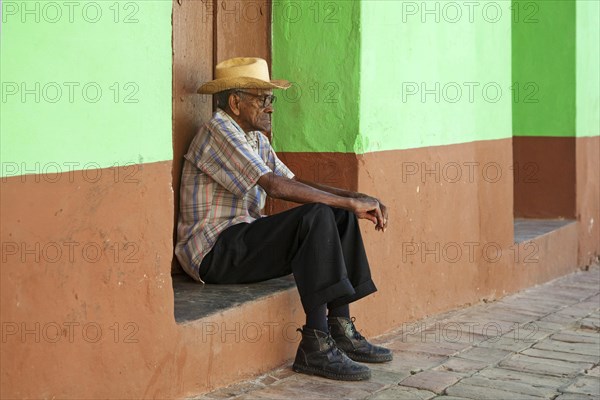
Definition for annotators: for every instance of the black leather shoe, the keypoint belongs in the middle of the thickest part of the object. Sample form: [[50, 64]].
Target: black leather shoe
[[354, 344], [318, 355]]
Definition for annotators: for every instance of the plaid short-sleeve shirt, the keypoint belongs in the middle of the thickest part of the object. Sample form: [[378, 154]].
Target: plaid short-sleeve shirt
[[219, 186]]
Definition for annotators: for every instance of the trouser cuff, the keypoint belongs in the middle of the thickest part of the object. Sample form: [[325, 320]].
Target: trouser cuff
[[362, 290], [341, 289]]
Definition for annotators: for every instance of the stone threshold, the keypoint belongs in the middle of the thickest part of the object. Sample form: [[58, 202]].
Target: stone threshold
[[194, 300], [526, 229]]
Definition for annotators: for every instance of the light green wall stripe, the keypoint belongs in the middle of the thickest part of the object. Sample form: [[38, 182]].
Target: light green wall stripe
[[543, 43], [316, 45], [395, 52], [433, 74], [588, 67], [121, 47]]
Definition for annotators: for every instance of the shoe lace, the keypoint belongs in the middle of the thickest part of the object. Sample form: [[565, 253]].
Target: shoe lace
[[333, 346], [355, 333], [330, 342]]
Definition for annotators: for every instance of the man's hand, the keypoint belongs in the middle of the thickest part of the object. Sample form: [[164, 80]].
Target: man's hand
[[367, 207], [384, 213], [382, 208]]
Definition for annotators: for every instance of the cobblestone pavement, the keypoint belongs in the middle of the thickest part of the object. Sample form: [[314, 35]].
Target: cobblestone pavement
[[543, 342]]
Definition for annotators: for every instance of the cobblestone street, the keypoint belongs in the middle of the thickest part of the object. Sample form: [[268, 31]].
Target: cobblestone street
[[543, 342]]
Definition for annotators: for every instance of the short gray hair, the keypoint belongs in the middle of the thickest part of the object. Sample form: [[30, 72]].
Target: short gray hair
[[222, 98]]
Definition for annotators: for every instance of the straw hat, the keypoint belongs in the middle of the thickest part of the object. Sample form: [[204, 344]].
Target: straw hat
[[242, 72]]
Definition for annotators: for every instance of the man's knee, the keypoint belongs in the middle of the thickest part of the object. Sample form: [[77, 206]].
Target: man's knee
[[318, 213], [318, 208], [343, 216], [325, 211], [342, 212]]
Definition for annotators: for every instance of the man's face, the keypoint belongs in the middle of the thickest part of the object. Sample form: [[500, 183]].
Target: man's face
[[253, 115]]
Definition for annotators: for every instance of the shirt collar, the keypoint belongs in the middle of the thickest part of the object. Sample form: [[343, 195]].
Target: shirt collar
[[220, 113]]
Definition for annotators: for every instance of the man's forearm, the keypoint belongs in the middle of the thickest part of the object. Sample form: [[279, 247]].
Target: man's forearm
[[331, 189], [294, 190], [302, 192]]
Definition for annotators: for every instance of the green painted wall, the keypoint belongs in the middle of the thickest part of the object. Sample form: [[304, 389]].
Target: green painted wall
[[316, 45], [54, 58], [376, 54], [433, 74], [543, 57], [588, 67]]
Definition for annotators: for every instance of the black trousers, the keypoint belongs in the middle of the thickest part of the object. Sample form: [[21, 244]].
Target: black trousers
[[321, 245]]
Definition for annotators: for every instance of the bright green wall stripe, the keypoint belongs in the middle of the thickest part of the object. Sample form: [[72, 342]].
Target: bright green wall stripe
[[433, 73], [392, 54], [316, 45], [121, 47], [543, 63], [588, 65]]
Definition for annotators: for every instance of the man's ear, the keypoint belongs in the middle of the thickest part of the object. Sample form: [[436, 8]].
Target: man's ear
[[234, 104]]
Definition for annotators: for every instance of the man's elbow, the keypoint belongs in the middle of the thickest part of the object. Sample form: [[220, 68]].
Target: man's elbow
[[269, 182]]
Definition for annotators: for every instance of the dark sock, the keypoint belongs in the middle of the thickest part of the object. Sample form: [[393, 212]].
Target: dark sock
[[341, 311], [316, 318]]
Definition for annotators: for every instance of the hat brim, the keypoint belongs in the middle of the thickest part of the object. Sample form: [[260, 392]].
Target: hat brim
[[219, 85]]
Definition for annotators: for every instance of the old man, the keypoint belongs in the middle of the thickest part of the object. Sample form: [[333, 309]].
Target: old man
[[229, 170]]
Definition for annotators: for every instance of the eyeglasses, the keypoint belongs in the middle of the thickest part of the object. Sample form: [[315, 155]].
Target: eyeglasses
[[266, 99]]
